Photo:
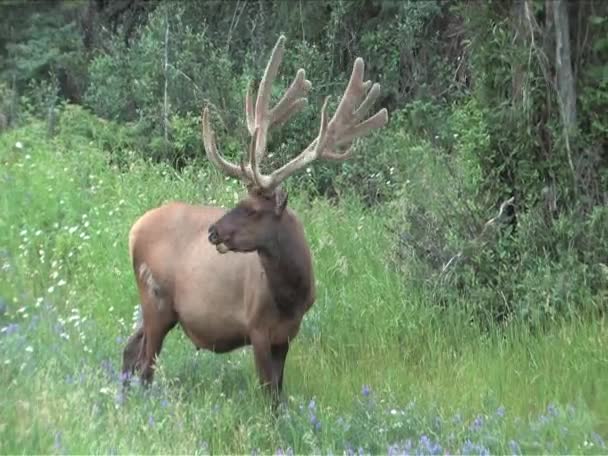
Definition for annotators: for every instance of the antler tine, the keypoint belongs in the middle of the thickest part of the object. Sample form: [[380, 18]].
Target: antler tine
[[211, 149], [263, 99], [260, 118], [293, 100], [346, 125]]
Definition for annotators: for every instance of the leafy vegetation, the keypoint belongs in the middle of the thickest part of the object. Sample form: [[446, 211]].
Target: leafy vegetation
[[378, 365]]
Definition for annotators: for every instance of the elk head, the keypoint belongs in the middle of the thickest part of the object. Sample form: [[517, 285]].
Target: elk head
[[253, 223]]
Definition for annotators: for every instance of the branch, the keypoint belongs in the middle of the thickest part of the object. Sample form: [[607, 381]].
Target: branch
[[476, 241], [165, 70]]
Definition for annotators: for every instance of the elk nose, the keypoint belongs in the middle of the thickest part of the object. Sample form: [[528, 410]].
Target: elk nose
[[213, 236]]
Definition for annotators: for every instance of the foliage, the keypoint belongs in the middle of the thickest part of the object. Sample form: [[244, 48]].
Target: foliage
[[377, 367]]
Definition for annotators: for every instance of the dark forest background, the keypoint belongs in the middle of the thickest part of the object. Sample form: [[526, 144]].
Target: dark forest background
[[492, 174]]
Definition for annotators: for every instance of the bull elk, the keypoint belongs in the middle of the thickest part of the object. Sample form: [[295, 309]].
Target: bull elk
[[244, 276]]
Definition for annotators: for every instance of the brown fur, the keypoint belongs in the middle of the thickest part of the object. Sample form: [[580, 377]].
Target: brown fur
[[257, 294]]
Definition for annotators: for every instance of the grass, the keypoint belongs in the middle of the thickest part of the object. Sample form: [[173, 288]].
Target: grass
[[376, 368]]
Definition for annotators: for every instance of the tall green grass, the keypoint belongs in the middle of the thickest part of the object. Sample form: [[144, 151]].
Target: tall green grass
[[377, 365]]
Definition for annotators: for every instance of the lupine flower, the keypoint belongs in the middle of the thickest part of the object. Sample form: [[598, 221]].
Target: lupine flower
[[120, 398], [11, 328], [515, 449], [124, 377], [365, 391], [57, 440], [597, 439], [473, 448], [428, 445], [552, 410], [315, 422], [477, 423]]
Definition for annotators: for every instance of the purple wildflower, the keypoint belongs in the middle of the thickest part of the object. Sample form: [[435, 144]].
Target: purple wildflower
[[477, 423], [552, 410], [151, 421], [315, 422], [515, 449], [500, 412], [57, 443], [428, 446], [403, 449], [204, 447], [597, 439], [11, 328], [474, 448], [120, 398], [393, 450], [106, 366], [124, 377], [365, 391]]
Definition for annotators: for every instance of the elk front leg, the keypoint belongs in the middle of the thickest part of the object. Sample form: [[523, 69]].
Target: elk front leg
[[269, 361], [279, 354]]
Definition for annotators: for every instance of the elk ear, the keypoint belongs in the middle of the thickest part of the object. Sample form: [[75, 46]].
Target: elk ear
[[280, 202]]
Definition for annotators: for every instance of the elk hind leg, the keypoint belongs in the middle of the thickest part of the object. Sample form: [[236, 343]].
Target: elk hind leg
[[132, 354], [158, 318]]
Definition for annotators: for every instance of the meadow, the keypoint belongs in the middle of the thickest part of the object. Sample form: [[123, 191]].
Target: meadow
[[378, 367]]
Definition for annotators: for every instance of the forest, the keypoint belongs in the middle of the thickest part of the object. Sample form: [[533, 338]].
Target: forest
[[461, 252]]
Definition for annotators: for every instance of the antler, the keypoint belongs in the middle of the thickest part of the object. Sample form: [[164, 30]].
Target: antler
[[346, 125]]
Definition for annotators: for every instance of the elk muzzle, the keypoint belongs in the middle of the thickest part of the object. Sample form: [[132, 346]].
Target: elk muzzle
[[216, 240]]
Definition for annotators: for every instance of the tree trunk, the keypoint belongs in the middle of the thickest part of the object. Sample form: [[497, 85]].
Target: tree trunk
[[563, 65]]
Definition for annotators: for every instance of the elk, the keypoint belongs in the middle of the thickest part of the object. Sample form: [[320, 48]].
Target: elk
[[244, 276]]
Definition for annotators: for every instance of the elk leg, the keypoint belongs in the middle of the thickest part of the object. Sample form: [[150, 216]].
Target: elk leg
[[158, 319], [153, 344], [264, 362], [279, 354], [132, 353]]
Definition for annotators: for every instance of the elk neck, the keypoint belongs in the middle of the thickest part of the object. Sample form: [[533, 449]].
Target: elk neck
[[287, 264]]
